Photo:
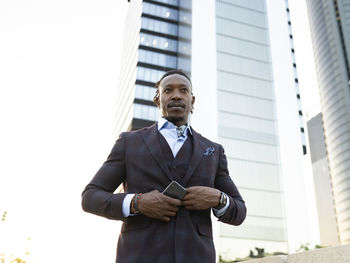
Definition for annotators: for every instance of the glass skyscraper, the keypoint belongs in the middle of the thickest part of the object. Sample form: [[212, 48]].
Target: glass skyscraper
[[330, 31], [158, 40]]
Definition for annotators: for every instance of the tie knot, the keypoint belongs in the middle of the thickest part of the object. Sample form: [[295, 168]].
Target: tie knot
[[180, 130]]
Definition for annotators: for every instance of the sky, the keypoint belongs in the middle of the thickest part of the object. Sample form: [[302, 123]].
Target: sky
[[59, 65]]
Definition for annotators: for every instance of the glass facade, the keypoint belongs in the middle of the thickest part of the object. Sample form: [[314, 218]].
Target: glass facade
[[159, 26], [329, 22], [164, 44], [247, 119], [160, 11], [158, 42], [157, 58]]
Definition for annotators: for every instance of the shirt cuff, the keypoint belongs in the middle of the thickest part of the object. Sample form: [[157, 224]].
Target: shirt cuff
[[126, 204], [222, 211]]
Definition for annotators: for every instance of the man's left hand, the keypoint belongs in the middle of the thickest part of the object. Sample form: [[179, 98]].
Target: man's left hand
[[201, 198]]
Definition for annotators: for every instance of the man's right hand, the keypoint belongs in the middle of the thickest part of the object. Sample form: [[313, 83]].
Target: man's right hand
[[158, 206]]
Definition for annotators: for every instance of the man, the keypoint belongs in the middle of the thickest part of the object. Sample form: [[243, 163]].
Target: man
[[158, 228]]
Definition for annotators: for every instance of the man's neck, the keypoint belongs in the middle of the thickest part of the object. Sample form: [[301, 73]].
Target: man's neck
[[176, 122]]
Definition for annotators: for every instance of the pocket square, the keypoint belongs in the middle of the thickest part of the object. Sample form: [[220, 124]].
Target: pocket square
[[209, 151]]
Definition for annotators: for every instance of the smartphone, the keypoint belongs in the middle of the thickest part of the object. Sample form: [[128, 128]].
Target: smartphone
[[175, 190]]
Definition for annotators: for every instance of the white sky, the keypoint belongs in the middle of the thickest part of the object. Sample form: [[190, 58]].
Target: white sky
[[59, 64]]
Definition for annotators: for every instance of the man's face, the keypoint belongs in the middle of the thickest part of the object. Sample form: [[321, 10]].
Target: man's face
[[175, 98]]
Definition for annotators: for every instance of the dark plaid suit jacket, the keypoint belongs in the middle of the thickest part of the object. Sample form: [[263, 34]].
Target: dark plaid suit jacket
[[137, 161]]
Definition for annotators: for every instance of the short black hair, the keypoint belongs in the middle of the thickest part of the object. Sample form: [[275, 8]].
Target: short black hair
[[168, 73], [172, 72]]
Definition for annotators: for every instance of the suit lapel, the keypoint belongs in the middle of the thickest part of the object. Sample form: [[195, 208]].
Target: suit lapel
[[151, 139], [197, 155]]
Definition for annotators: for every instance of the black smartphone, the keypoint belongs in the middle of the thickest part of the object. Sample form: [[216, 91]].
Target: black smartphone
[[175, 190]]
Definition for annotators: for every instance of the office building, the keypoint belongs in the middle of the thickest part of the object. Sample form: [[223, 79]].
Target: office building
[[247, 98], [330, 31], [323, 186], [157, 39]]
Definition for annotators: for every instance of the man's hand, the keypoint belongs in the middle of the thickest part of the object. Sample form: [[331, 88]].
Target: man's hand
[[201, 198], [157, 205]]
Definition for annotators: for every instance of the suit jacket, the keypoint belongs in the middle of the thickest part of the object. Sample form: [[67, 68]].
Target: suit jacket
[[136, 161]]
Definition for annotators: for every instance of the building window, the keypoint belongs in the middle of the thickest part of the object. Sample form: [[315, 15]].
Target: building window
[[144, 92], [160, 11], [149, 75], [169, 2], [304, 150], [158, 42], [146, 112], [158, 59], [159, 26]]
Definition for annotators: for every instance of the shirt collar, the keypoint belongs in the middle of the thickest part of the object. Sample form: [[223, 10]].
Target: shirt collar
[[164, 123]]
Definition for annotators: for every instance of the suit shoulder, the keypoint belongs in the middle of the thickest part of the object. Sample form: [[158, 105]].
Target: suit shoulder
[[132, 134]]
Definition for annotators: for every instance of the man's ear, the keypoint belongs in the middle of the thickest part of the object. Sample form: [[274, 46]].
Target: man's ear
[[192, 102], [156, 100]]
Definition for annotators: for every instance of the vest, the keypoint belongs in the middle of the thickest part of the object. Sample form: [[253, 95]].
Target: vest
[[178, 165]]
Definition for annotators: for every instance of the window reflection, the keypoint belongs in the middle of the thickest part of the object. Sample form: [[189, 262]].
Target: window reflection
[[170, 2], [159, 26], [160, 11], [150, 75], [146, 112], [159, 42], [157, 58], [144, 92]]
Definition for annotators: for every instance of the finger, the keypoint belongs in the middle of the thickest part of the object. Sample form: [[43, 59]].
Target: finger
[[169, 213], [172, 208], [187, 197], [189, 189], [190, 207], [165, 218], [192, 188], [173, 201], [188, 203]]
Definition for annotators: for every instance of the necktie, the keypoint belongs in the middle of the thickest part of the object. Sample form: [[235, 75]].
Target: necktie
[[180, 130]]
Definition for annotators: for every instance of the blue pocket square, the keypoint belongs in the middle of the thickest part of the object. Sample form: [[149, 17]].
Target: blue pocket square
[[209, 151]]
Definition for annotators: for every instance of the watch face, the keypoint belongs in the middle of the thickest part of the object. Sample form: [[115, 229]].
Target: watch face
[[224, 200]]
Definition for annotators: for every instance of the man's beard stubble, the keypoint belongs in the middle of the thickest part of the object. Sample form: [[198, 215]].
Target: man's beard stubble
[[174, 120]]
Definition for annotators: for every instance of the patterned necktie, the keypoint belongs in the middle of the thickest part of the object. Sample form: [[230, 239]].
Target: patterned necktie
[[180, 130]]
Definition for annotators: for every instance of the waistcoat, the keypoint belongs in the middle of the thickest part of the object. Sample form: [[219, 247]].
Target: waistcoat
[[178, 165]]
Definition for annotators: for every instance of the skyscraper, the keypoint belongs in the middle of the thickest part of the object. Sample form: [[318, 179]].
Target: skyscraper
[[330, 30], [157, 39], [247, 98], [322, 179]]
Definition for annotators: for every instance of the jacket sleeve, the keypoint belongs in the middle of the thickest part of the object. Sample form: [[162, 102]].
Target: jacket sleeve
[[236, 212], [98, 197]]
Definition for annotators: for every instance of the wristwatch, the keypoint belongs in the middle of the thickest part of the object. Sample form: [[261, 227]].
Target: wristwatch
[[223, 201]]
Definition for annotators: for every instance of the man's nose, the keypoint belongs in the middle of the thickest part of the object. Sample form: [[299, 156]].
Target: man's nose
[[176, 95]]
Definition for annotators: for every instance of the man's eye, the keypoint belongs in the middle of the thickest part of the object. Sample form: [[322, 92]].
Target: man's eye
[[184, 90]]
